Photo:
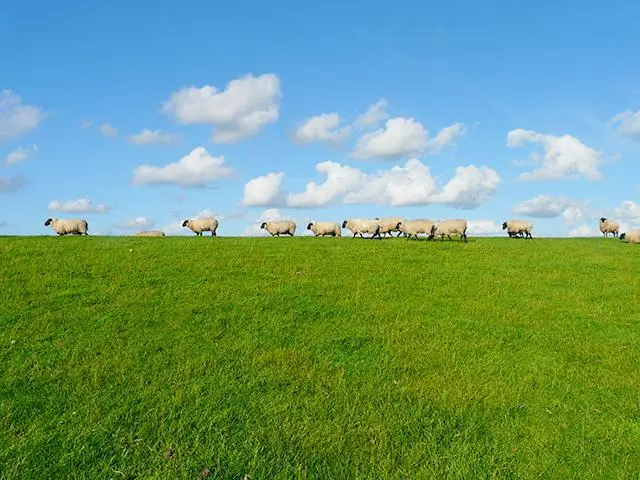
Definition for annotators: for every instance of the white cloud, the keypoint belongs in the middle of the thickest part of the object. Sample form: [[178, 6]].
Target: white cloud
[[322, 128], [375, 114], [20, 154], [108, 130], [268, 215], [193, 170], [404, 136], [11, 184], [629, 213], [137, 223], [564, 156], [546, 206], [149, 137], [264, 190], [628, 124], [81, 205], [17, 118], [483, 227], [411, 184], [241, 110], [584, 230]]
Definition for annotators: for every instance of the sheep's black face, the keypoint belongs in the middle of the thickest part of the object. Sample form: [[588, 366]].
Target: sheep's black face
[[603, 219], [344, 224], [504, 225], [184, 224], [622, 235], [309, 226], [264, 225], [399, 225], [48, 222]]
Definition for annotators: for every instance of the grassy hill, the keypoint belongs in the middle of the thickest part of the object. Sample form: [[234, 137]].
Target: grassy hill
[[322, 358]]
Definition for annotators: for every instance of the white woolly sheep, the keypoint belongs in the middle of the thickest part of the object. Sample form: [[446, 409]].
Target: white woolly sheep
[[199, 225], [150, 233], [279, 227], [389, 225], [518, 227], [631, 237], [449, 227], [609, 226], [358, 227], [325, 228], [412, 228], [69, 226]]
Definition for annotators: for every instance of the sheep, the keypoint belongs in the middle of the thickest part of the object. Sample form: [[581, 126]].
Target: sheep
[[150, 233], [358, 226], [609, 226], [325, 228], [70, 226], [415, 227], [278, 227], [448, 227], [518, 227], [199, 225], [389, 225], [631, 237]]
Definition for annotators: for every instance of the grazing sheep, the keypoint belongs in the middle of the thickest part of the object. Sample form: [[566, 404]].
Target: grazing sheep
[[518, 227], [325, 228], [358, 227], [631, 237], [199, 225], [609, 226], [412, 228], [150, 233], [449, 227], [70, 226], [389, 225], [279, 227]]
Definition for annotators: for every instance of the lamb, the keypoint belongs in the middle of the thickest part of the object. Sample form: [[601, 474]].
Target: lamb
[[412, 228], [631, 237], [516, 227], [449, 227], [389, 225], [609, 226], [279, 227], [325, 228], [150, 233], [199, 225], [70, 226], [358, 227]]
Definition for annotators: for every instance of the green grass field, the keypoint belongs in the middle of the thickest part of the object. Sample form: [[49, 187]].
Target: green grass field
[[323, 358]]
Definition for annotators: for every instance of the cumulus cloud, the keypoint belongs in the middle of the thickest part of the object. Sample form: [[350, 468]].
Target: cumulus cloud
[[137, 223], [263, 191], [375, 114], [404, 136], [108, 130], [20, 154], [81, 205], [322, 128], [546, 206], [16, 118], [584, 230], [629, 214], [411, 184], [11, 184], [193, 170], [628, 124], [483, 227], [268, 215], [150, 137], [241, 110], [564, 156]]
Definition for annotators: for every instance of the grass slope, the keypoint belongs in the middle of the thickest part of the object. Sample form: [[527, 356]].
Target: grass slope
[[319, 358]]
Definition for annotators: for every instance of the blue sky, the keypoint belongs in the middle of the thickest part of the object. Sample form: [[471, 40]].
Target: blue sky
[[138, 115]]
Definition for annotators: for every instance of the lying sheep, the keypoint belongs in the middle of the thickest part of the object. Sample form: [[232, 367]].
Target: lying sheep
[[358, 227], [325, 228], [449, 227], [150, 233], [70, 226], [609, 226], [631, 237], [199, 225], [518, 227], [412, 228], [389, 225], [279, 227]]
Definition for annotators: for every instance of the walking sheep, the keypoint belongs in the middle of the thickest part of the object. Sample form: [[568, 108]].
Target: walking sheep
[[71, 226], [631, 237], [389, 225], [325, 228], [279, 227], [202, 225], [516, 227], [412, 228], [358, 227], [449, 227], [609, 226]]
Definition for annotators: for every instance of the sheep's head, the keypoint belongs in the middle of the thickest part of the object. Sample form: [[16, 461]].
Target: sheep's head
[[264, 225], [309, 226], [48, 222], [602, 220], [504, 225], [399, 226], [622, 236], [185, 223], [344, 224]]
